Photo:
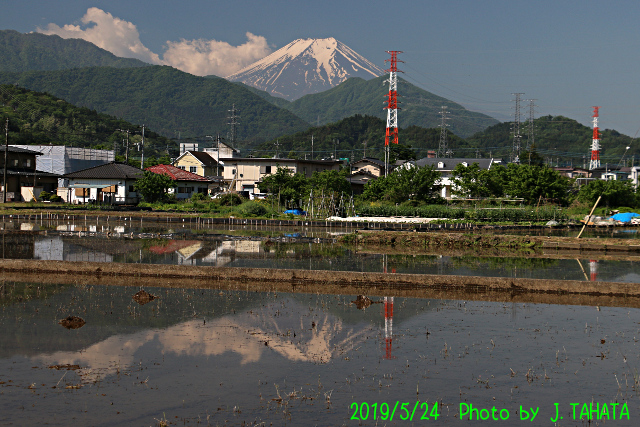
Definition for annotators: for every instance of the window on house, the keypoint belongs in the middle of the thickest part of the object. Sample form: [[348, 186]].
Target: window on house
[[26, 163], [16, 162], [131, 190], [193, 169], [182, 167], [440, 165], [267, 169]]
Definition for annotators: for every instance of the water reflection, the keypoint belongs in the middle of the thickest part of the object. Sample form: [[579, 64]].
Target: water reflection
[[248, 335], [222, 357], [267, 253]]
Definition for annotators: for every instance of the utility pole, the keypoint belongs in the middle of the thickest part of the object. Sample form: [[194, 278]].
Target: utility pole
[[126, 151], [142, 149], [6, 160], [312, 147], [364, 155], [277, 144]]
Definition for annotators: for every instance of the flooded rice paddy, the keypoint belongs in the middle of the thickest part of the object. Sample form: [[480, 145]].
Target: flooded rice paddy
[[211, 357], [113, 355], [289, 249]]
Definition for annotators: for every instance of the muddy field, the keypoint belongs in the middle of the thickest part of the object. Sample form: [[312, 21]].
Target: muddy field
[[483, 241]]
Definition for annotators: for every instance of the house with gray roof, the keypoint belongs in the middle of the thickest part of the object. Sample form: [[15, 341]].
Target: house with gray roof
[[111, 183]]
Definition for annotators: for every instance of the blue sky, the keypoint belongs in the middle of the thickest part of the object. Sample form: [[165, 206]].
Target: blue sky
[[567, 55]]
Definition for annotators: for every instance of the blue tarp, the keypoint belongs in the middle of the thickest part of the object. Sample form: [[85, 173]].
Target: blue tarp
[[624, 217], [296, 211]]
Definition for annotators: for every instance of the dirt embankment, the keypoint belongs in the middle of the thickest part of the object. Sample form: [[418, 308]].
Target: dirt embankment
[[331, 282], [426, 241]]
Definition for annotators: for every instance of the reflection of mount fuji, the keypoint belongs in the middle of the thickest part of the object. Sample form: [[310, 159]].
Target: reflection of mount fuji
[[282, 326]]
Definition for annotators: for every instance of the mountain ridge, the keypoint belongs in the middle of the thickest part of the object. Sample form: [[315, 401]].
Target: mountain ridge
[[170, 101], [39, 52]]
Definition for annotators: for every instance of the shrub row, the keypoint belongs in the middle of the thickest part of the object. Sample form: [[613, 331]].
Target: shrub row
[[440, 211]]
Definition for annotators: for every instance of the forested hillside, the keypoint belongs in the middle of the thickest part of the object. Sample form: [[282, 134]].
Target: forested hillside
[[368, 97], [39, 52], [559, 140], [39, 118], [346, 138], [168, 100]]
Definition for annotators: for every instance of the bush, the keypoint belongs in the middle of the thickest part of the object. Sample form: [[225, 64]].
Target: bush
[[44, 195], [231, 199], [253, 209], [198, 196]]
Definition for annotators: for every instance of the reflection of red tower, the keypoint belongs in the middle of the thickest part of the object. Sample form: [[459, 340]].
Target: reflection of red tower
[[593, 269], [388, 327]]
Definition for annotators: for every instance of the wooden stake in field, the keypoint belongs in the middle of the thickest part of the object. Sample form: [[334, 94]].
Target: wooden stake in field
[[589, 217]]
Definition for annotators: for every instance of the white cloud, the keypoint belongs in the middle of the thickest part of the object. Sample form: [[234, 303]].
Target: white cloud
[[206, 57], [199, 57], [113, 34]]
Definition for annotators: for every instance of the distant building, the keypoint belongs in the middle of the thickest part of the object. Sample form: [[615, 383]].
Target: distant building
[[24, 182], [60, 159], [199, 163], [245, 174], [371, 165], [222, 151], [571, 172], [359, 179]]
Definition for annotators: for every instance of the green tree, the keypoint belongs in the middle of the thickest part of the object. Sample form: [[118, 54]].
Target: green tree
[[404, 183], [153, 186], [289, 187], [473, 181], [469, 182], [329, 181], [533, 183], [614, 193]]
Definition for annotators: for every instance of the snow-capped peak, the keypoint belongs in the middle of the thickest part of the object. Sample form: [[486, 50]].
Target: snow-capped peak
[[306, 66]]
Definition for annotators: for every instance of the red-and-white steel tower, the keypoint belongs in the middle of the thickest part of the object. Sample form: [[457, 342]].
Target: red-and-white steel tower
[[391, 135], [595, 142]]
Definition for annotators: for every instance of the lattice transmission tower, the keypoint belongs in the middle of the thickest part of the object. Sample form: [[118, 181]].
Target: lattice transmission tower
[[233, 122], [515, 150], [443, 149]]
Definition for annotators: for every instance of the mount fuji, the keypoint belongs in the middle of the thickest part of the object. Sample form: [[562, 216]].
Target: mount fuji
[[306, 66]]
